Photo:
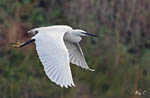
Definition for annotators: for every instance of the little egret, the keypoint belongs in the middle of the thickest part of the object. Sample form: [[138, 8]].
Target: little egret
[[56, 47]]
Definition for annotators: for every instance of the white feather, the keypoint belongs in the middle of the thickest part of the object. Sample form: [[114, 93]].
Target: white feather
[[54, 56], [76, 55], [57, 46]]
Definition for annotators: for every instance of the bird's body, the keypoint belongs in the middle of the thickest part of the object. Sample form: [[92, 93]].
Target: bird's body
[[59, 29], [57, 46]]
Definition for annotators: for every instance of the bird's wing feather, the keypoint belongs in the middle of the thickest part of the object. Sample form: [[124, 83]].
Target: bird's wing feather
[[76, 55], [55, 57]]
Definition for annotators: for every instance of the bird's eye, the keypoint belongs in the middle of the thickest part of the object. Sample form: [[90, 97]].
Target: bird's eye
[[83, 32], [36, 32]]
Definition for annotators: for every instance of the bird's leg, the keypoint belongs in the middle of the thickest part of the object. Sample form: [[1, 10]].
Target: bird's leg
[[18, 44]]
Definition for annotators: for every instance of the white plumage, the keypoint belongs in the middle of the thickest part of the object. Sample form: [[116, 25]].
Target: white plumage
[[57, 46]]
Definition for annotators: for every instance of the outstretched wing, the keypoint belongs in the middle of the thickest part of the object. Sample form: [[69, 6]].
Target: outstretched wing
[[76, 55], [55, 58]]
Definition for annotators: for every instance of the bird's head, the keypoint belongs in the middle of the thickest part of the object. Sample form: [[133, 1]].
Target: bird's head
[[79, 32]]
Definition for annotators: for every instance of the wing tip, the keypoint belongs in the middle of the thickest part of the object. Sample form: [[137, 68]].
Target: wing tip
[[67, 86], [91, 69]]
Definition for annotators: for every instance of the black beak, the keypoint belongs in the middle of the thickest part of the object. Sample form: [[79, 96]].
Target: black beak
[[90, 34]]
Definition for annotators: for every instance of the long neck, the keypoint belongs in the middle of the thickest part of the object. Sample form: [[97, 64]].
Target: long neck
[[71, 37]]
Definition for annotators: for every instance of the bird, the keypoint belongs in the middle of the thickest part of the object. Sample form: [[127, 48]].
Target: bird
[[57, 46]]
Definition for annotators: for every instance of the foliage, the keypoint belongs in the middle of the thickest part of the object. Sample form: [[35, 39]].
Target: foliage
[[120, 55]]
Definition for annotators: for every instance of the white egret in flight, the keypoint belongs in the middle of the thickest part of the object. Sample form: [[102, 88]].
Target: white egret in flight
[[56, 47]]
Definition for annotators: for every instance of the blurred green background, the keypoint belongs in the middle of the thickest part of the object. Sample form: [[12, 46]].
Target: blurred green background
[[120, 56]]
